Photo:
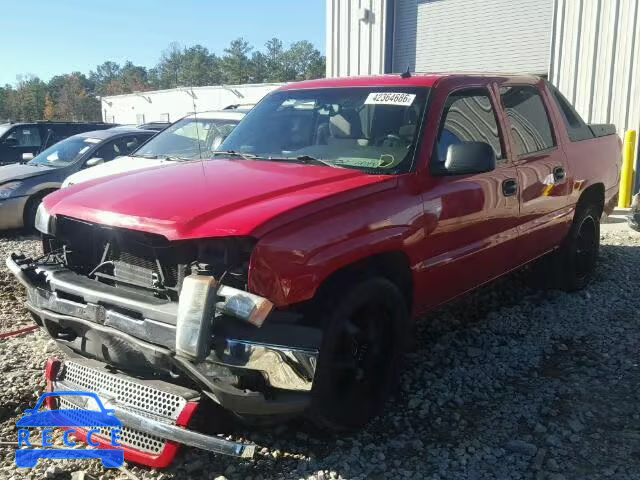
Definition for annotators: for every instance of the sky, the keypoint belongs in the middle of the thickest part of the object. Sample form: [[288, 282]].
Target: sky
[[50, 37]]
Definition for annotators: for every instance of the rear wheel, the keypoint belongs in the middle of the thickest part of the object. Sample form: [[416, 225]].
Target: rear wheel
[[360, 354], [572, 266], [579, 254]]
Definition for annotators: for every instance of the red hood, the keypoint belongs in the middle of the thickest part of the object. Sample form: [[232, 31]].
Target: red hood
[[214, 198]]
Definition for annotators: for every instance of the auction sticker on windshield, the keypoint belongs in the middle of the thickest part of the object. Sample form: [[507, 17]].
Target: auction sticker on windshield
[[390, 98]]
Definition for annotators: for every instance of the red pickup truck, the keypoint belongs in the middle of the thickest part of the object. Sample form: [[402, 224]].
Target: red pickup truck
[[283, 276]]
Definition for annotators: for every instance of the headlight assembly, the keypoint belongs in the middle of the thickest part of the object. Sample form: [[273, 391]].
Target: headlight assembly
[[44, 220], [7, 189]]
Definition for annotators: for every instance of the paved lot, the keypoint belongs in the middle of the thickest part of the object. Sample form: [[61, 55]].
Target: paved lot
[[509, 383]]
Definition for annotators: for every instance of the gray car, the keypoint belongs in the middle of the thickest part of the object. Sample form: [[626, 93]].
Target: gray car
[[23, 186]]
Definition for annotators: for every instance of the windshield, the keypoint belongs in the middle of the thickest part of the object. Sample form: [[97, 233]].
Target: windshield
[[65, 152], [373, 129], [4, 128], [188, 139]]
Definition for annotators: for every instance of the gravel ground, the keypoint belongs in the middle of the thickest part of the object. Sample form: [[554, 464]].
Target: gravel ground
[[509, 383]]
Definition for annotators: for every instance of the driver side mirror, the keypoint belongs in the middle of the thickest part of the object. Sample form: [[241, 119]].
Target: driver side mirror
[[27, 157], [470, 157], [11, 142], [92, 162]]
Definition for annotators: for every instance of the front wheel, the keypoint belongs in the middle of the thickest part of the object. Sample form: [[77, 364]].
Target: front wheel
[[360, 354]]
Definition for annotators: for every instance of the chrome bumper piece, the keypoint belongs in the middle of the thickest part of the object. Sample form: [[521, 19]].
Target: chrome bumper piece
[[283, 367]]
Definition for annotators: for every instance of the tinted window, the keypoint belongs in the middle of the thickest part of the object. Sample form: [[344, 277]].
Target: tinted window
[[110, 150], [468, 117], [65, 152], [26, 136], [130, 144], [189, 138], [55, 133], [577, 129], [530, 127]]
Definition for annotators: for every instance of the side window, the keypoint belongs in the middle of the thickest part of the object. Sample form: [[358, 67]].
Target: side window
[[57, 133], [109, 150], [468, 117], [577, 129], [129, 144], [530, 126], [26, 136]]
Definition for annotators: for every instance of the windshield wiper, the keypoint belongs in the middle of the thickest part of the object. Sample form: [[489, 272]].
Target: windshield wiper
[[306, 159], [233, 153]]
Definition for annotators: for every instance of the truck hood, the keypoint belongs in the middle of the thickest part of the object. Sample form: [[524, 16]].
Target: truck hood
[[119, 165], [20, 172], [214, 198]]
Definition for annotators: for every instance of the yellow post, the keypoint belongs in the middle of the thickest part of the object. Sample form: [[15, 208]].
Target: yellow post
[[626, 176]]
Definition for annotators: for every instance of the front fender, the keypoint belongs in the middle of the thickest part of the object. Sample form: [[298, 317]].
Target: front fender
[[289, 264]]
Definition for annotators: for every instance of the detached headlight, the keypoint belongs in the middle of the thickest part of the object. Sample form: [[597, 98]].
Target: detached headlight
[[44, 220], [6, 189], [196, 309]]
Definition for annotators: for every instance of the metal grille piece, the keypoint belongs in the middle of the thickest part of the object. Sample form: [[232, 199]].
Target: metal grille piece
[[127, 393], [128, 437]]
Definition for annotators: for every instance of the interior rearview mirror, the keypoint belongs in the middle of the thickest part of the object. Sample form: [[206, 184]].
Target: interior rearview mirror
[[27, 156], [92, 162], [470, 157]]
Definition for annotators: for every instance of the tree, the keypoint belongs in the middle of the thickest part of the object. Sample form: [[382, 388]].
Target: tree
[[199, 67], [49, 108], [74, 102], [104, 76], [73, 96], [236, 65], [304, 62], [274, 61], [4, 94], [169, 66], [26, 101]]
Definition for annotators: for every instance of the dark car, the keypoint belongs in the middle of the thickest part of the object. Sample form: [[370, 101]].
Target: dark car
[[157, 126], [20, 141], [22, 186]]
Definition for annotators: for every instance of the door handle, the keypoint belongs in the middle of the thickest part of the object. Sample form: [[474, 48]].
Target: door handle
[[509, 187], [559, 174]]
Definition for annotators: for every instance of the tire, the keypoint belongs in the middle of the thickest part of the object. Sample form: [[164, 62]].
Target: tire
[[360, 356], [572, 267]]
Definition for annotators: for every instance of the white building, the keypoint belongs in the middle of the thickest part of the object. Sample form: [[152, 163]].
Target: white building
[[590, 49], [170, 105]]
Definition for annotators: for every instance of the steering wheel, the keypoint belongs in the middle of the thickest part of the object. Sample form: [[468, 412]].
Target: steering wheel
[[390, 140]]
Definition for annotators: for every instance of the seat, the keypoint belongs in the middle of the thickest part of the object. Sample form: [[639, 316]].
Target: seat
[[345, 129]]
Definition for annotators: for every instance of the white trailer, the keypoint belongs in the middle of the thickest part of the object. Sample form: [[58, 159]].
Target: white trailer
[[170, 105]]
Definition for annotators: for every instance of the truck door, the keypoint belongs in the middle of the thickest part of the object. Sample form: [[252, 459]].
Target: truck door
[[20, 139], [474, 229], [541, 167]]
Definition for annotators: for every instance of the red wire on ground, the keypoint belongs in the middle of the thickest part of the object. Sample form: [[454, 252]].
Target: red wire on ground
[[21, 331]]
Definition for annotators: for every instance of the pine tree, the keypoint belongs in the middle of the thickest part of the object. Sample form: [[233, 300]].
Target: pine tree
[[49, 108]]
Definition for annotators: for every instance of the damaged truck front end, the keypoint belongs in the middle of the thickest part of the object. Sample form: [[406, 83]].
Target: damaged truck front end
[[172, 318]]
